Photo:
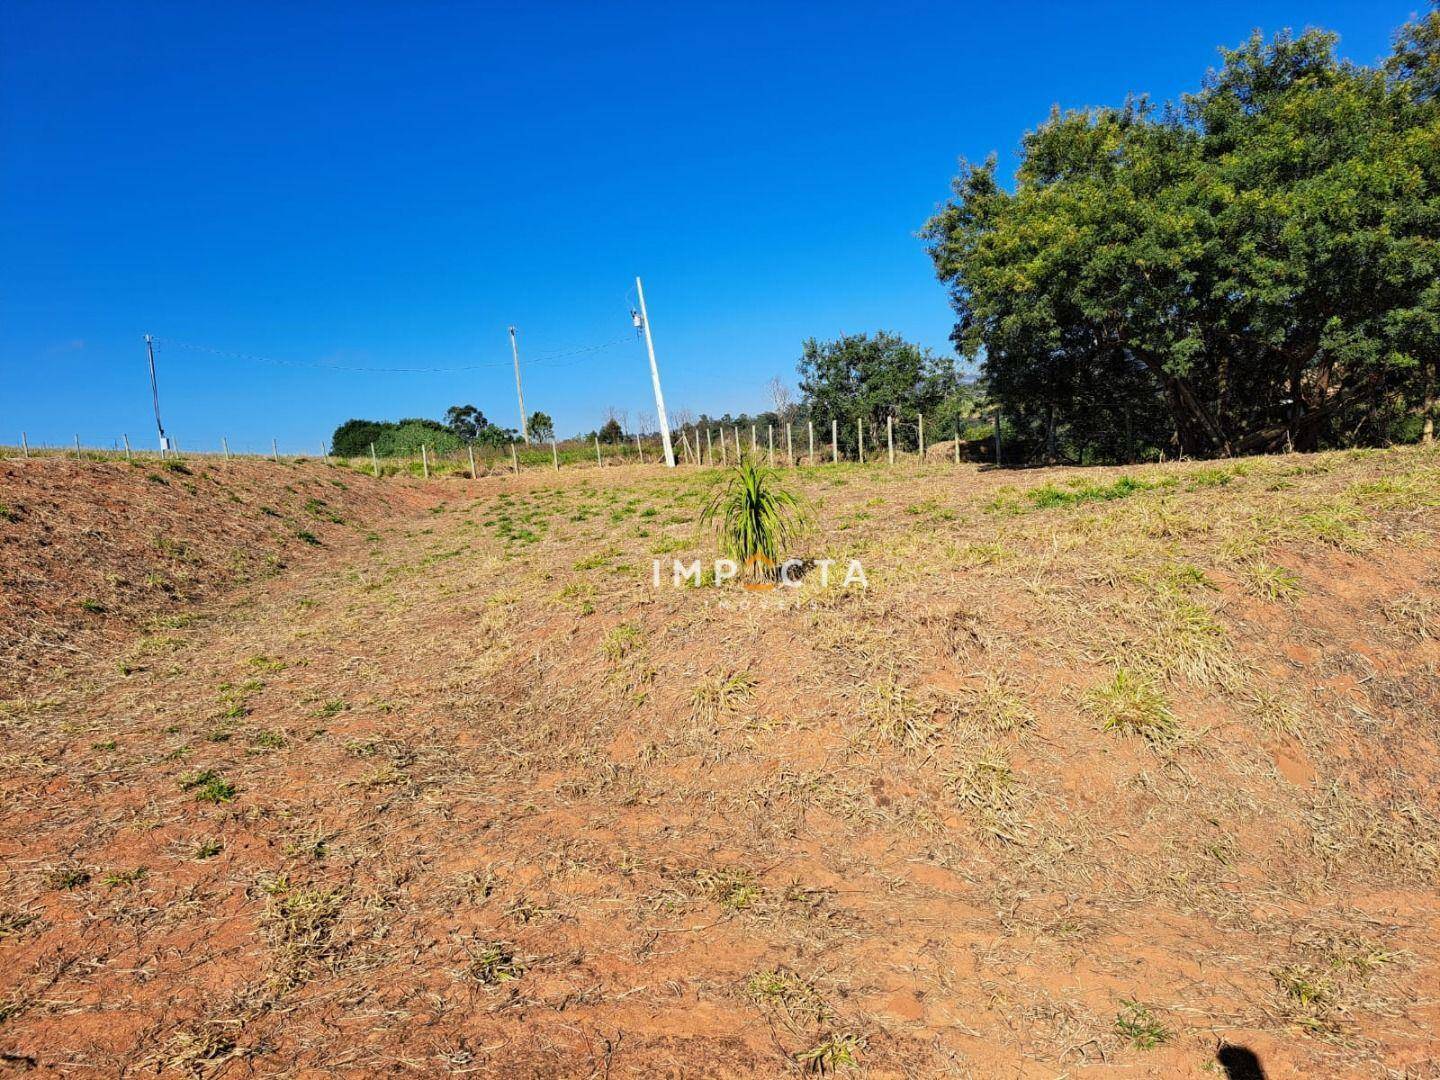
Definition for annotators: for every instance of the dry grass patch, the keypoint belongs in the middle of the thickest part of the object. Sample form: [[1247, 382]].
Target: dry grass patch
[[1268, 581], [1416, 615], [720, 694], [895, 714], [1133, 704]]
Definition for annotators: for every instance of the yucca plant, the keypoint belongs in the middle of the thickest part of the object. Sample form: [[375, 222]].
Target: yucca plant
[[755, 517]]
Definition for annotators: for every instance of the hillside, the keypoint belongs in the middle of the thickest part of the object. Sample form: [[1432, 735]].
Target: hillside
[[1106, 771], [93, 551]]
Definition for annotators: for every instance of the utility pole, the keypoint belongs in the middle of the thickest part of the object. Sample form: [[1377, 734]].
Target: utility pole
[[524, 424], [155, 395], [655, 379]]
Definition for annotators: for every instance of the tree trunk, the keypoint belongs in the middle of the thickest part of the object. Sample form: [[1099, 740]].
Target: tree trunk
[[1427, 433]]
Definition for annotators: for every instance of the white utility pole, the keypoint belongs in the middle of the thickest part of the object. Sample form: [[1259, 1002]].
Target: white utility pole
[[524, 424], [155, 395], [655, 378]]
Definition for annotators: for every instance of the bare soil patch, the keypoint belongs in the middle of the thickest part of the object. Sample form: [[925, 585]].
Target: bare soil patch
[[1105, 771]]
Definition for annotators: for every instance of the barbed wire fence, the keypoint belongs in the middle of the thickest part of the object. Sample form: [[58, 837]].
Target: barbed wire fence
[[807, 442], [812, 441]]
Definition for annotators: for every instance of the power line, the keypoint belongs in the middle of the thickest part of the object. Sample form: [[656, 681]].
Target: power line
[[574, 356]]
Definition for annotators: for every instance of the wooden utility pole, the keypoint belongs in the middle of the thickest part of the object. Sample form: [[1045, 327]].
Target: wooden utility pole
[[520, 394], [655, 379]]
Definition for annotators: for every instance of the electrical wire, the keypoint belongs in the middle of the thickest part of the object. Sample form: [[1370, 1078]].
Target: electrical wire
[[575, 356]]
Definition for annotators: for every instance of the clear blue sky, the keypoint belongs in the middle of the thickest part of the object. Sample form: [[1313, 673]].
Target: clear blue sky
[[392, 185]]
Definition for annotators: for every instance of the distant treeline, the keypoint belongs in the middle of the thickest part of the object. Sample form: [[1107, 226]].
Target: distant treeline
[[464, 426]]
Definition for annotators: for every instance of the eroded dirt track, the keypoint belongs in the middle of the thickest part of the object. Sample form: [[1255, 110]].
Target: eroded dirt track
[[1087, 780]]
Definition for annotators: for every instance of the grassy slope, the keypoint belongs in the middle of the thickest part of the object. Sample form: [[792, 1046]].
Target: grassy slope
[[92, 551], [1094, 775]]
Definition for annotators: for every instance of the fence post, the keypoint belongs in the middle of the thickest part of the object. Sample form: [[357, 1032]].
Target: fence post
[[810, 458], [374, 462], [724, 453], [738, 455], [890, 436], [25, 446], [77, 447], [789, 446], [127, 446], [224, 446], [957, 446], [753, 446], [709, 447], [471, 447], [770, 442], [835, 442], [325, 452], [514, 459], [860, 434], [554, 454], [997, 438], [639, 452], [597, 449], [425, 461], [274, 451], [922, 438]]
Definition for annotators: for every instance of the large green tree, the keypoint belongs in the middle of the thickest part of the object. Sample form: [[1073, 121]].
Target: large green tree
[[1252, 267], [860, 377]]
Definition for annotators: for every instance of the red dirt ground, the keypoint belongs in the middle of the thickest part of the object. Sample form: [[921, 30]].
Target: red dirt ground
[[458, 792]]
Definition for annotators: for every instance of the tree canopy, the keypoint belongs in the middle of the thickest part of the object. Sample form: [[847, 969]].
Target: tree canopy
[[1252, 267], [860, 377], [403, 438], [470, 426]]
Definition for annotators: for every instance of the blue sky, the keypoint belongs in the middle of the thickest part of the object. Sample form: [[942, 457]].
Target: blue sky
[[371, 185]]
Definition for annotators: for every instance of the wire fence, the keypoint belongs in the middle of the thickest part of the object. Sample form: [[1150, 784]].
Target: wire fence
[[786, 445]]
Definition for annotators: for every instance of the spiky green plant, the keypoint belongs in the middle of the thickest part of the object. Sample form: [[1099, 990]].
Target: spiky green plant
[[755, 517]]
